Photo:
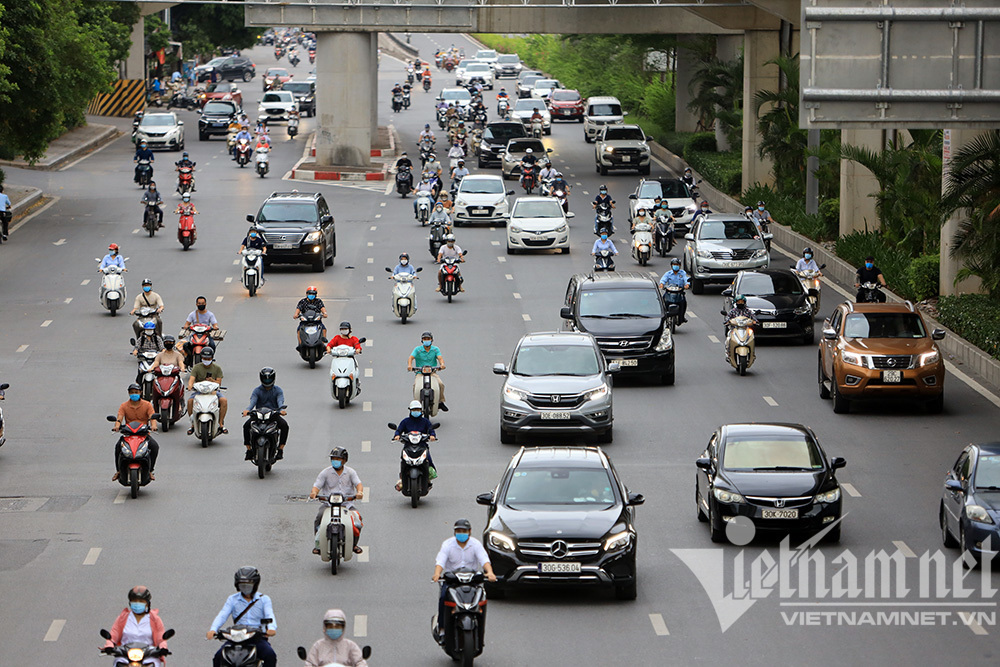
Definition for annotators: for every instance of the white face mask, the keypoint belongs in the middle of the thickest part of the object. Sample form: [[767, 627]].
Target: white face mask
[[404, 262], [345, 332]]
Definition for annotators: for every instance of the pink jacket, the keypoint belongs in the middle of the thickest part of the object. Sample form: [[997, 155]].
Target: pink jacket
[[155, 624]]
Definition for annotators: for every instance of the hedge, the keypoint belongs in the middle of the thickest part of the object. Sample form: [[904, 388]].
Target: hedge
[[789, 211], [895, 263], [974, 317]]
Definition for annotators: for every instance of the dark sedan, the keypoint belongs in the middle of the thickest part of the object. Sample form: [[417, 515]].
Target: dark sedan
[[970, 503], [775, 475], [561, 516], [494, 141], [777, 298], [215, 118]]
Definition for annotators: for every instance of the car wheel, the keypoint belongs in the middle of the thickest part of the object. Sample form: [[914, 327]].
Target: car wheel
[[586, 137], [946, 537], [702, 517], [602, 169], [841, 405], [506, 437], [697, 286], [482, 165], [607, 437], [202, 136], [626, 591], [668, 378], [547, 131], [511, 251], [824, 392], [809, 338], [565, 251], [319, 266], [718, 534], [935, 406], [247, 76]]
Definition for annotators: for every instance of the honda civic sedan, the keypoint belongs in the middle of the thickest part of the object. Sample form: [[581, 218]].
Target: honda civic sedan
[[969, 514]]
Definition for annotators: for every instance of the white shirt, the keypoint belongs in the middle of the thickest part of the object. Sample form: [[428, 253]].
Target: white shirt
[[452, 555], [806, 265], [138, 631]]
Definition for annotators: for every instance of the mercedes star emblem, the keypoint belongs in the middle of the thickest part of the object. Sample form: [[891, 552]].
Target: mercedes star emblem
[[559, 549]]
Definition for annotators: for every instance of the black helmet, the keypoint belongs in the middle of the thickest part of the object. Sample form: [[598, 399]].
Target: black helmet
[[147, 281], [405, 255], [463, 524], [760, 203], [140, 593], [207, 353], [345, 325], [247, 575], [426, 334], [339, 453], [134, 387], [267, 376], [807, 250], [169, 339]]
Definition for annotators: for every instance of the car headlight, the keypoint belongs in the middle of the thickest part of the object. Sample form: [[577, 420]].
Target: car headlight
[[928, 358], [600, 392], [803, 310], [724, 496], [760, 254], [501, 541], [609, 149], [828, 497], [704, 254], [978, 514], [562, 228], [515, 394], [618, 541], [514, 228], [692, 208], [666, 341], [852, 359], [312, 237]]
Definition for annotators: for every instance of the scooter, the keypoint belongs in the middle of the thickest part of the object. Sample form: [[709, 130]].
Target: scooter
[[536, 129], [366, 652], [673, 297], [605, 222], [529, 179], [414, 470], [151, 218], [136, 119], [345, 376], [436, 238], [144, 173], [404, 181], [240, 647], [253, 269], [426, 389], [182, 100], [427, 84], [145, 374], [464, 628], [312, 56], [205, 411], [870, 293], [231, 139], [185, 179], [604, 261], [336, 526], [545, 187], [452, 276], [562, 198], [134, 461], [3, 388], [112, 293], [199, 337], [663, 239], [136, 654], [264, 438], [404, 294], [293, 127], [262, 160], [423, 208], [406, 97], [642, 242], [811, 284], [397, 102], [426, 150], [502, 106], [146, 314], [243, 153], [740, 347], [168, 394], [187, 231], [310, 334]]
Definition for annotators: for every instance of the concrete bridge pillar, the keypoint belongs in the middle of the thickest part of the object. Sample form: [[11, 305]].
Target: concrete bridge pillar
[[954, 140], [346, 97], [135, 63], [759, 46], [857, 184], [687, 63]]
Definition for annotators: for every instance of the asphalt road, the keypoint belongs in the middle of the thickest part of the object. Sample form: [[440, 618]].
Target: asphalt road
[[72, 546]]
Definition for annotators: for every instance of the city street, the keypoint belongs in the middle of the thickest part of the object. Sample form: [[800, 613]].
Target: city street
[[73, 542]]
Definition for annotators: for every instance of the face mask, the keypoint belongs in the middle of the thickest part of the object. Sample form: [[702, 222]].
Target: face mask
[[334, 633], [311, 297], [415, 413], [869, 265], [675, 267], [206, 362], [245, 589], [462, 537], [760, 208], [404, 262], [808, 255], [169, 345], [146, 288], [604, 192], [604, 237], [345, 332], [663, 205], [253, 235], [137, 607], [337, 465], [134, 397], [704, 209], [426, 343], [202, 306]]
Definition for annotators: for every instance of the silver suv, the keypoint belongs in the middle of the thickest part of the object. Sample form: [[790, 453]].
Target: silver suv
[[558, 382], [622, 147], [719, 246]]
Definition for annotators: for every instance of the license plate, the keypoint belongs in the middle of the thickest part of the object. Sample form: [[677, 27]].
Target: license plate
[[538, 237], [774, 325], [626, 158], [555, 415], [283, 246], [479, 211], [628, 362], [559, 568], [734, 264], [894, 377], [779, 514]]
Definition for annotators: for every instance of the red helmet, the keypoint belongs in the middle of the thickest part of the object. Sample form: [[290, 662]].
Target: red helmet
[[311, 290], [113, 246]]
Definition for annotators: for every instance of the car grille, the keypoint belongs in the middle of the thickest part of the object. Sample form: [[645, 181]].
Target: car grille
[[555, 400], [624, 345], [155, 134], [538, 243], [768, 501], [678, 211], [279, 237], [733, 254], [565, 549], [891, 361], [275, 112]]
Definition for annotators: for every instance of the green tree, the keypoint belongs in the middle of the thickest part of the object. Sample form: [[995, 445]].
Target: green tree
[[205, 28], [781, 138], [717, 96]]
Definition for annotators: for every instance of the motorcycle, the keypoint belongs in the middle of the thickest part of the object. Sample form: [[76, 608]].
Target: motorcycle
[[642, 242], [185, 179], [146, 314], [673, 297], [264, 438], [414, 470], [465, 626], [134, 461], [205, 411], [442, 118], [336, 525], [426, 150], [436, 238], [3, 388], [136, 119], [294, 60], [502, 106], [312, 56], [231, 139], [529, 178], [404, 181], [136, 654], [452, 275], [345, 376], [252, 268], [423, 207], [144, 173], [262, 160], [187, 232], [605, 221], [740, 347], [427, 84], [663, 239], [537, 129], [243, 153], [426, 389], [310, 334], [112, 293], [240, 647], [182, 100], [168, 394], [397, 102], [404, 294], [145, 374], [562, 198], [870, 293], [200, 337], [278, 53], [604, 261], [811, 284], [150, 219], [293, 127], [545, 187], [409, 75], [406, 97]]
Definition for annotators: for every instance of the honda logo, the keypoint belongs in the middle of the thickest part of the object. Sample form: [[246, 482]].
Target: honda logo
[[555, 398], [559, 549], [779, 502]]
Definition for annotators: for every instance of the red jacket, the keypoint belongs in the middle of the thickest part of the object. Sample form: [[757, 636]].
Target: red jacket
[[340, 340], [155, 624]]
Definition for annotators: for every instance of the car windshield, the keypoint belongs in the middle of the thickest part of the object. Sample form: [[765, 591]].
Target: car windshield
[[556, 359], [298, 87], [527, 104], [766, 284], [988, 472], [280, 211], [605, 110], [219, 88], [486, 54], [478, 67], [546, 83], [465, 63], [503, 132], [277, 97], [277, 72], [455, 94], [481, 186], [548, 208], [509, 59], [560, 489], [219, 107], [620, 303], [717, 230], [624, 134], [565, 96], [771, 452], [158, 120], [535, 145], [529, 81], [883, 325], [214, 62]]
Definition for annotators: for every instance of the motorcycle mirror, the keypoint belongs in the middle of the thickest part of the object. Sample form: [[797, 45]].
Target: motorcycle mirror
[[548, 150], [301, 652], [499, 369], [362, 339], [419, 269], [111, 418], [366, 652], [106, 634], [283, 407], [131, 341], [169, 633], [4, 386], [392, 425], [838, 462], [510, 192], [465, 252], [96, 259], [485, 498], [155, 416], [249, 218], [722, 312], [689, 237], [436, 425], [198, 111], [822, 266], [388, 269], [704, 464]]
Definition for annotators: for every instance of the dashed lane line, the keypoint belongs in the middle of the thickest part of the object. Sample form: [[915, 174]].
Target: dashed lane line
[[367, 494], [373, 228], [851, 491], [46, 323], [369, 342], [501, 259], [236, 262], [59, 242], [120, 498], [369, 372], [366, 406], [92, 556], [364, 555], [369, 318], [526, 317], [229, 280], [135, 231], [360, 625], [371, 244], [219, 299], [86, 282], [508, 276], [495, 242], [770, 401], [55, 629], [378, 215], [371, 279], [517, 295], [713, 338], [22, 348], [382, 204], [69, 300], [692, 314], [659, 626], [902, 547], [371, 260], [366, 445]]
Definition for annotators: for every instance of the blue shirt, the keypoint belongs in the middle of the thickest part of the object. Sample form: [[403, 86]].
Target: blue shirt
[[425, 357], [244, 134], [116, 260], [146, 154], [4, 202], [236, 603], [268, 398], [421, 424], [678, 278], [404, 269], [600, 245], [202, 317]]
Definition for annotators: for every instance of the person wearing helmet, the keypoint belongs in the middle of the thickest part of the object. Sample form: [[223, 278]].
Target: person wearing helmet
[[185, 162], [450, 250], [762, 216], [200, 315], [251, 607], [310, 301], [460, 550], [135, 409], [113, 258], [185, 207], [458, 173], [211, 371], [426, 135], [603, 199], [688, 177], [806, 262], [677, 277], [138, 622], [338, 478], [170, 355], [148, 341], [334, 647], [147, 299], [345, 337], [739, 309], [151, 197], [704, 208], [423, 355], [254, 240], [439, 216], [404, 265], [142, 152], [267, 396], [529, 160], [416, 422]]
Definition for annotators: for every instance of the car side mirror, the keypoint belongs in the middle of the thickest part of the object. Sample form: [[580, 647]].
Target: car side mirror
[[249, 218], [499, 369], [571, 214], [327, 218], [180, 122], [838, 462], [624, 113], [937, 334], [510, 192], [830, 334], [953, 485], [633, 196], [635, 499], [548, 150], [727, 292], [649, 138], [704, 464], [485, 498], [768, 236], [566, 313], [614, 367], [198, 111], [689, 237]]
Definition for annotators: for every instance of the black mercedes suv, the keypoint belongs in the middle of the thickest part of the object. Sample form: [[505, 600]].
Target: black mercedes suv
[[561, 516], [624, 312], [298, 229], [215, 117]]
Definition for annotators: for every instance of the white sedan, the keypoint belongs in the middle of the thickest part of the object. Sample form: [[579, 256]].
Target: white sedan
[[161, 130], [537, 223], [276, 105], [481, 198]]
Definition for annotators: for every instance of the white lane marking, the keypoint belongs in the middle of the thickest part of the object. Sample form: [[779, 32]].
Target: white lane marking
[[218, 299], [369, 318], [371, 244], [770, 401], [367, 490], [378, 215], [980, 389], [659, 626], [572, 175], [493, 229], [59, 242], [229, 280], [526, 317], [388, 187], [691, 314], [135, 231], [509, 277], [363, 556], [851, 491], [55, 630], [360, 625], [236, 262], [495, 242], [371, 260], [501, 259], [70, 299], [366, 445], [904, 549], [22, 348], [585, 192], [369, 342], [367, 406], [120, 498], [579, 183], [373, 228], [371, 279], [92, 556], [86, 282], [369, 372], [969, 618], [517, 295], [46, 323], [713, 338], [382, 204]]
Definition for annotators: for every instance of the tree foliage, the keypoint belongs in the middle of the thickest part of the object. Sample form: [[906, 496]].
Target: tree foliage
[[717, 90], [205, 28]]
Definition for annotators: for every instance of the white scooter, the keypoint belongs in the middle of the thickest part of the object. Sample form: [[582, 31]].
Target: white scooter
[[253, 269], [740, 346], [205, 411], [337, 528], [366, 651], [112, 288], [293, 126], [423, 207], [261, 158], [642, 242], [404, 294], [345, 376], [146, 373], [811, 284]]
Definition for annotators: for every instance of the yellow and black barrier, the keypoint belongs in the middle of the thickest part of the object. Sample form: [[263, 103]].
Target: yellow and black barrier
[[128, 97]]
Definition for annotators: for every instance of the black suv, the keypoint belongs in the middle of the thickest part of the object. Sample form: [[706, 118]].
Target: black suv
[[215, 117], [304, 93], [624, 312], [561, 516], [228, 68], [494, 141], [298, 229]]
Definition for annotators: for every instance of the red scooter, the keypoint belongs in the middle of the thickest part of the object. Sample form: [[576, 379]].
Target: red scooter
[[452, 276], [134, 461], [199, 338], [528, 178], [185, 179], [168, 394], [187, 233], [312, 56]]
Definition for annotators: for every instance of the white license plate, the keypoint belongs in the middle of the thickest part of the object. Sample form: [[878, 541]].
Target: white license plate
[[556, 568], [774, 325], [628, 362], [734, 264], [893, 377], [538, 237], [283, 246], [479, 211], [626, 158], [555, 415], [779, 514]]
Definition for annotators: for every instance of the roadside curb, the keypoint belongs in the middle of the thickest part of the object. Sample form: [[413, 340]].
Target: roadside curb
[[25, 203], [315, 175], [108, 134], [375, 152]]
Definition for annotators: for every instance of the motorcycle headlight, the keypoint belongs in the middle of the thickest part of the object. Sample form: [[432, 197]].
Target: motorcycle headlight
[[852, 359], [666, 341], [724, 496], [802, 310], [501, 541], [704, 254], [928, 358], [618, 541], [978, 514], [828, 497], [515, 394], [136, 655], [599, 392], [312, 237]]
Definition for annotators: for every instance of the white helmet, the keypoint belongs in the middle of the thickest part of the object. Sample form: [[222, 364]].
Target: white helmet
[[527, 150], [415, 405]]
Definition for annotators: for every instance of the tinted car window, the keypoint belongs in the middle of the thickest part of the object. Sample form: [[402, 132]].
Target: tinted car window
[[274, 97], [219, 87], [771, 451], [486, 54], [988, 471], [761, 284], [529, 81], [546, 83], [298, 87], [277, 72], [508, 59], [605, 110], [503, 133], [478, 67], [536, 360], [279, 211], [565, 96], [560, 489], [674, 190], [537, 209], [219, 107], [535, 145], [626, 134], [620, 303], [883, 325], [716, 230]]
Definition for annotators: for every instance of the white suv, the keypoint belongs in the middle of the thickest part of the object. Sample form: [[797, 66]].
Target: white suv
[[276, 104], [524, 109], [476, 70], [481, 198]]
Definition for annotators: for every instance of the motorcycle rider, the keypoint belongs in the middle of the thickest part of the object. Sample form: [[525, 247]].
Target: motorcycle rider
[[405, 161], [254, 241], [440, 215], [640, 218], [739, 309], [135, 409], [602, 199], [346, 337], [869, 273], [536, 117], [762, 216], [186, 207], [678, 277], [5, 214], [448, 250], [311, 301], [604, 243], [704, 209], [138, 622], [143, 152], [334, 647], [688, 177], [151, 197], [417, 422], [149, 341], [251, 608], [113, 258], [461, 550], [456, 152], [404, 265], [341, 479], [185, 161], [169, 355], [425, 186], [207, 370], [244, 133], [529, 159], [267, 396], [397, 89], [147, 298], [428, 354], [807, 263], [458, 173], [426, 135], [664, 212], [548, 171], [201, 315]]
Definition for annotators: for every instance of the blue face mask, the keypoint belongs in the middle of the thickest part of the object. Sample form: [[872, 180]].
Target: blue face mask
[[415, 413], [808, 255], [426, 343], [337, 465], [137, 607], [604, 237], [134, 397], [311, 296], [869, 265], [675, 267], [146, 288], [253, 235], [760, 208], [462, 537], [334, 633]]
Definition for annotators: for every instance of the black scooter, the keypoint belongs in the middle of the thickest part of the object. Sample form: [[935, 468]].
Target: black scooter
[[414, 469], [404, 181], [464, 628], [663, 235], [604, 261], [264, 438], [135, 653], [240, 647], [604, 220], [312, 344]]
